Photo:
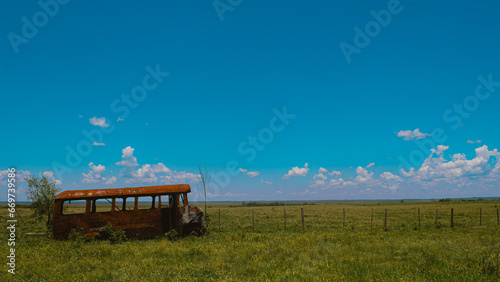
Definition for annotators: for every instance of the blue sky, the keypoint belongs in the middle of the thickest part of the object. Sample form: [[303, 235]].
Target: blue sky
[[339, 97]]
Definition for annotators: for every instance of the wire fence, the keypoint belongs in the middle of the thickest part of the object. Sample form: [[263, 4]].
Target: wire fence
[[296, 218]]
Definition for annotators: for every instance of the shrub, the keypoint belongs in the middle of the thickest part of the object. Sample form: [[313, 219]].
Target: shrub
[[113, 236], [42, 194], [172, 235], [77, 235]]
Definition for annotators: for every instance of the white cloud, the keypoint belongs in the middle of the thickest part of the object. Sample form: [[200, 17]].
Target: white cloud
[[95, 173], [363, 175], [180, 177], [148, 173], [297, 172], [266, 182], [144, 174], [472, 141], [110, 180], [50, 176], [370, 165], [459, 169], [20, 175], [477, 172], [306, 192], [366, 191], [228, 194], [98, 144], [363, 178], [128, 158], [459, 157], [99, 121], [158, 173], [339, 182], [119, 119], [249, 173], [318, 183], [161, 168], [440, 149], [320, 176], [333, 172], [390, 181], [483, 152], [389, 176], [409, 135], [252, 173], [232, 195]]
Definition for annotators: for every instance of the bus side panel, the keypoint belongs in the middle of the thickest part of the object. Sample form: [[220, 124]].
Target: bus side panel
[[139, 224], [63, 224]]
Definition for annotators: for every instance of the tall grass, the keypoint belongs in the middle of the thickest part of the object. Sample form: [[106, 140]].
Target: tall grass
[[323, 251]]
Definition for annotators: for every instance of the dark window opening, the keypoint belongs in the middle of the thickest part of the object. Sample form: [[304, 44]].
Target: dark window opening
[[146, 203], [101, 205], [74, 207], [166, 201]]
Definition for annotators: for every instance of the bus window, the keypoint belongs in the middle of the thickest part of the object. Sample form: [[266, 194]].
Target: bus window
[[119, 204], [146, 202], [128, 204], [74, 207], [183, 201], [101, 205], [165, 201], [155, 203]]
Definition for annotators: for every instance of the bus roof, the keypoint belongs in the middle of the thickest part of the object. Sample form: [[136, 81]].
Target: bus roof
[[123, 192]]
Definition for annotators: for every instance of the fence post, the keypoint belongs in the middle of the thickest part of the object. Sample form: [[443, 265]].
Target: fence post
[[371, 221], [302, 215], [284, 216], [498, 254], [451, 217], [253, 222], [25, 221], [219, 219], [385, 220], [436, 218], [418, 218], [343, 219]]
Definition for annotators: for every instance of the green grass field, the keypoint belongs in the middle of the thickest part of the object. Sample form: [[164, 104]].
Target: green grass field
[[328, 248]]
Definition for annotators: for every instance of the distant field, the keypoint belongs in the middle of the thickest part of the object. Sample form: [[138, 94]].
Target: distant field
[[330, 248]]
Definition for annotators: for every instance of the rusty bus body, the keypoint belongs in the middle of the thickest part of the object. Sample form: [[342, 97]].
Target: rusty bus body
[[147, 223]]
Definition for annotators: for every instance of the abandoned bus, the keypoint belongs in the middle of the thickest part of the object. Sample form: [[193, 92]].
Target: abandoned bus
[[143, 212]]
